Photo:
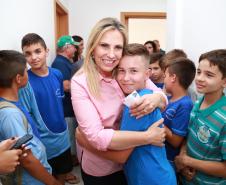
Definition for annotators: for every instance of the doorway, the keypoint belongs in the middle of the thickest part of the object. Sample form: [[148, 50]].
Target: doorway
[[61, 20], [143, 26]]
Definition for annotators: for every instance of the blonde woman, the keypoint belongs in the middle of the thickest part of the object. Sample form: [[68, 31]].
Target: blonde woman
[[97, 101]]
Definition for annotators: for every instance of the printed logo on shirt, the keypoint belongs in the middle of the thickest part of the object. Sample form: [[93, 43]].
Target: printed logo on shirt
[[203, 134], [170, 113], [58, 93]]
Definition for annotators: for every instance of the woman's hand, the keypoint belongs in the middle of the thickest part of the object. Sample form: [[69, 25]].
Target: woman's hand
[[82, 141], [156, 134], [146, 104], [80, 138]]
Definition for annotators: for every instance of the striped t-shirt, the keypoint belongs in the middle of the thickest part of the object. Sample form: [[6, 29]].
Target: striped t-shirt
[[207, 138]]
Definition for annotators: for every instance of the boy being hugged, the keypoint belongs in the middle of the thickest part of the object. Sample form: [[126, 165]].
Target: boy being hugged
[[15, 121], [179, 74], [47, 84], [202, 158], [146, 164]]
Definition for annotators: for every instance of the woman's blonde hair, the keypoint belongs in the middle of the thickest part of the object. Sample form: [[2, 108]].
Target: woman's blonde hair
[[89, 67]]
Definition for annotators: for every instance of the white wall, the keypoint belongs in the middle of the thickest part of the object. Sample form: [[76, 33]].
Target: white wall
[[196, 26], [19, 17], [193, 25], [85, 13]]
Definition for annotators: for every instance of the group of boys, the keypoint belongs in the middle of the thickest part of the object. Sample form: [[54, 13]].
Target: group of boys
[[36, 107], [174, 73], [195, 137]]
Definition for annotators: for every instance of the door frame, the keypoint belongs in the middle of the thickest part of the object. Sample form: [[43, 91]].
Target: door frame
[[61, 20], [141, 15]]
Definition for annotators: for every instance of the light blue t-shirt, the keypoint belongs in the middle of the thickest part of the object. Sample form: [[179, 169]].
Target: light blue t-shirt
[[11, 125], [147, 164], [48, 93]]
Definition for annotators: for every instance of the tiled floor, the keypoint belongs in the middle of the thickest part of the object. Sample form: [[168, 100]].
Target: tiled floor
[[77, 172]]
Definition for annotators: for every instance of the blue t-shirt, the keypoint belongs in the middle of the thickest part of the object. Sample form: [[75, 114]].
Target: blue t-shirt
[[28, 101], [147, 164], [176, 118], [11, 125], [65, 66], [49, 92]]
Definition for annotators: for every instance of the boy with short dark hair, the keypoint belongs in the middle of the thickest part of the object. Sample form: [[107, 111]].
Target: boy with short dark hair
[[179, 74], [146, 164], [16, 121], [202, 158], [157, 69], [47, 84], [171, 56]]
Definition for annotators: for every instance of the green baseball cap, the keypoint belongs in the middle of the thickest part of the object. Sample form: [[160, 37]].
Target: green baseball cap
[[65, 40]]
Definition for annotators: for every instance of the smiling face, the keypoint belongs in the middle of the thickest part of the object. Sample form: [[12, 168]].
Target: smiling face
[[209, 79], [108, 52], [132, 73], [35, 55]]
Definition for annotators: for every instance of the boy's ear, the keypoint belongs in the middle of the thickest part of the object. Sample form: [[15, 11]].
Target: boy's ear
[[173, 77], [147, 74], [47, 52], [18, 79], [224, 82]]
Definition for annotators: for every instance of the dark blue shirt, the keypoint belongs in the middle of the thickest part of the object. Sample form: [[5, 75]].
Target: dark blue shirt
[[159, 85], [176, 118], [65, 66]]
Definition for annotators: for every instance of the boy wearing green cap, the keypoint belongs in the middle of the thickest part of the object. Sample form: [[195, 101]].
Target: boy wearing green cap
[[47, 84]]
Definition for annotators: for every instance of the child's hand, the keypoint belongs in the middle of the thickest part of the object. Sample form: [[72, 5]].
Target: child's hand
[[181, 161], [9, 159], [188, 173]]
